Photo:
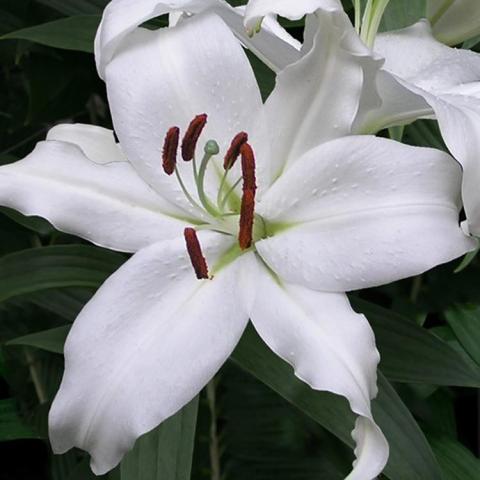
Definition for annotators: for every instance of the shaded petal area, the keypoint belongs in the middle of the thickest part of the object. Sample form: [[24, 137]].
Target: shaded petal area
[[163, 78], [144, 346], [363, 211], [331, 348], [106, 204]]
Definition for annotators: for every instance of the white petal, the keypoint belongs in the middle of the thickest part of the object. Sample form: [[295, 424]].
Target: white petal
[[318, 98], [144, 346], [97, 143], [121, 17], [257, 9], [331, 348], [164, 78], [459, 120], [363, 211], [106, 204], [434, 67], [457, 23]]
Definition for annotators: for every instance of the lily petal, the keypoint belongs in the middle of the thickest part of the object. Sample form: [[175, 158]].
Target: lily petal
[[121, 17], [97, 143], [144, 346], [456, 23], [258, 9], [319, 97], [106, 204], [363, 211], [164, 78], [331, 348]]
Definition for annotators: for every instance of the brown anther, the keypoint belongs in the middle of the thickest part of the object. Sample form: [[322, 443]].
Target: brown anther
[[195, 252], [248, 168], [247, 214], [234, 150], [170, 147], [192, 135]]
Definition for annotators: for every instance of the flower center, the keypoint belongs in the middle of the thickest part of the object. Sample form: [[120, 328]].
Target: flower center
[[224, 211]]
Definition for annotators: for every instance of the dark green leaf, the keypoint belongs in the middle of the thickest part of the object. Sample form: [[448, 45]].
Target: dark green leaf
[[56, 266], [402, 13], [71, 33], [410, 458], [456, 461], [409, 353], [51, 340], [12, 426], [78, 7], [465, 322], [36, 224], [166, 452]]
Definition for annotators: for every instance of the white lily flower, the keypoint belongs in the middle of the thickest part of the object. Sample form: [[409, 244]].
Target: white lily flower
[[454, 21], [329, 216], [440, 80]]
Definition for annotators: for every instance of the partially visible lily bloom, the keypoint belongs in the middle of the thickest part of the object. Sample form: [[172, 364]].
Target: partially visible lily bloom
[[446, 81], [235, 210]]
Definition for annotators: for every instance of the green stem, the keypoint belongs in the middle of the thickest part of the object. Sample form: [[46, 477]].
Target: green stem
[[214, 443], [227, 195], [185, 191], [358, 14], [35, 375], [371, 20]]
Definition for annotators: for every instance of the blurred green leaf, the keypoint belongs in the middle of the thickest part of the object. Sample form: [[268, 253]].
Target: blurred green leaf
[[12, 426], [78, 7], [410, 457], [71, 33], [55, 266], [409, 353], [465, 323], [456, 461], [51, 340], [166, 452], [36, 224], [402, 13]]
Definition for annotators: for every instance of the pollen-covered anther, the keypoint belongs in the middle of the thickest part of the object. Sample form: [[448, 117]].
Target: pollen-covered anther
[[170, 147], [192, 135], [247, 217], [233, 151], [248, 168], [195, 253]]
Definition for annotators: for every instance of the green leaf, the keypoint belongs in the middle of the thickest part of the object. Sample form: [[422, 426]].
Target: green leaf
[[51, 340], [55, 266], [78, 7], [402, 13], [166, 452], [410, 457], [456, 461], [36, 224], [409, 353], [71, 33], [11, 425], [465, 323]]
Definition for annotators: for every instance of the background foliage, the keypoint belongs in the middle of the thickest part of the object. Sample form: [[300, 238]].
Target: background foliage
[[255, 420]]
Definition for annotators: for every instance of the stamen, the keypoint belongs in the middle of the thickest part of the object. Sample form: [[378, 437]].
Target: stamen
[[234, 150], [247, 213], [170, 147], [248, 168], [192, 135], [195, 252]]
